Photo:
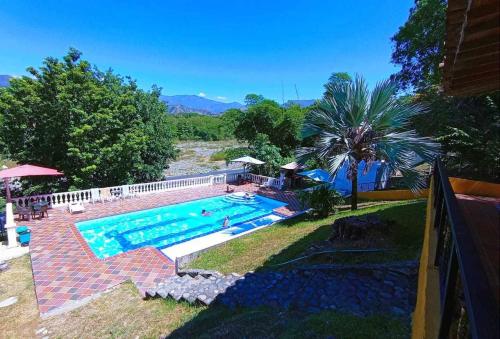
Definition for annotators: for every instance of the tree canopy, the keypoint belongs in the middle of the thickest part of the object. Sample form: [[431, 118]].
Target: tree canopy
[[194, 126], [467, 127], [99, 128], [418, 45], [253, 99], [281, 125]]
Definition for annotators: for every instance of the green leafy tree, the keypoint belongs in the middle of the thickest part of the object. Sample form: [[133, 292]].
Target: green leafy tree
[[469, 131], [230, 120], [253, 99], [264, 150], [337, 78], [97, 127], [351, 125], [259, 118], [467, 127], [281, 125], [194, 126], [418, 45]]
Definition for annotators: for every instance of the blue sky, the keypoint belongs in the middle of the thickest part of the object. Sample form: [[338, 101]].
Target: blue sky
[[223, 49]]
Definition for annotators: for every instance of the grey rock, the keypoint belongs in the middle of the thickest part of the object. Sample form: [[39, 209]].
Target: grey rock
[[8, 302]]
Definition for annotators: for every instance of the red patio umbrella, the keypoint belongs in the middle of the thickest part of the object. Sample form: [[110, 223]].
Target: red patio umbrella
[[24, 171]]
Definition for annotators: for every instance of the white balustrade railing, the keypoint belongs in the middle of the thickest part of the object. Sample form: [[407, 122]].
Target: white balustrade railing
[[263, 180], [91, 195], [55, 199]]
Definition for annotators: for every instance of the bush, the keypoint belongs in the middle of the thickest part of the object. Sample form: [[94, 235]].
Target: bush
[[234, 153], [321, 200], [218, 156]]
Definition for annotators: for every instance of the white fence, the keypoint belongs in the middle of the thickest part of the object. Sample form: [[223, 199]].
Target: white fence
[[263, 180], [90, 195]]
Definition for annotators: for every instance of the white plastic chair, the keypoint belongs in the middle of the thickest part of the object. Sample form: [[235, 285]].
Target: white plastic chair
[[268, 183], [95, 195], [76, 207]]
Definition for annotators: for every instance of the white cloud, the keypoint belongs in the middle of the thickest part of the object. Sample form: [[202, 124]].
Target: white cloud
[[221, 98], [202, 94]]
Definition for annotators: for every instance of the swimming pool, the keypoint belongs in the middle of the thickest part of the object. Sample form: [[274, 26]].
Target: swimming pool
[[168, 225]]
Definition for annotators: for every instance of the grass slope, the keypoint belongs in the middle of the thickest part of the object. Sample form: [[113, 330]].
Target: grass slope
[[287, 240], [122, 313]]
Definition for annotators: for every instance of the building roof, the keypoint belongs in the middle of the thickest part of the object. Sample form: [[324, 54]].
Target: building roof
[[472, 47]]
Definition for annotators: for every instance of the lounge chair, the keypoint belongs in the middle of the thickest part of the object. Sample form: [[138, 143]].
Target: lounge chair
[[76, 207], [106, 195], [229, 189], [95, 195], [268, 183]]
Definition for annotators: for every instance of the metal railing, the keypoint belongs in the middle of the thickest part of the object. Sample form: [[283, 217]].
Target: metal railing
[[467, 306]]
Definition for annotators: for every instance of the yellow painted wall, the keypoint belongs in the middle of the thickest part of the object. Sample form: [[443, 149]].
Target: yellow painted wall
[[460, 186], [472, 187], [393, 195], [427, 310]]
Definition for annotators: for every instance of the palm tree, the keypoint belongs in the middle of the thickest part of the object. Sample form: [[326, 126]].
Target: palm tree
[[351, 124]]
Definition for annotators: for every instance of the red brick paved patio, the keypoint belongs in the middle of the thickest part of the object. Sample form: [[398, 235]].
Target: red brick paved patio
[[66, 271]]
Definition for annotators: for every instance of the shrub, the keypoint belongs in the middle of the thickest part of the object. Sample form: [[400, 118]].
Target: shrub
[[321, 200], [218, 156]]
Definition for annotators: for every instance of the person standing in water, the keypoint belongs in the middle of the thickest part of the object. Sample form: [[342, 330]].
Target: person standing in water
[[225, 224]]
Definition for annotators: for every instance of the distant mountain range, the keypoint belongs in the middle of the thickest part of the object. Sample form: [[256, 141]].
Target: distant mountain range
[[194, 103], [178, 104], [4, 80], [301, 103]]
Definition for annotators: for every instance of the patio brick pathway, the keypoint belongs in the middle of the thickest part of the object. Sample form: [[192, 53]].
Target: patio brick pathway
[[66, 271]]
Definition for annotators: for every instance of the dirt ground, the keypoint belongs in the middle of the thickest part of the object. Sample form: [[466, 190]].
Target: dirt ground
[[119, 313]]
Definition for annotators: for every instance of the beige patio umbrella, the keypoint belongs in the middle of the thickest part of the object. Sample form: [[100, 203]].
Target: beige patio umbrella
[[247, 160]]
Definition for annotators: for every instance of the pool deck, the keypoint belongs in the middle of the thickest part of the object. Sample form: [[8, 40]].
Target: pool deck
[[66, 272]]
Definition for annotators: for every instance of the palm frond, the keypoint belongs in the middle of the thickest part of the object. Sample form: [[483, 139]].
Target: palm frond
[[351, 125], [381, 100]]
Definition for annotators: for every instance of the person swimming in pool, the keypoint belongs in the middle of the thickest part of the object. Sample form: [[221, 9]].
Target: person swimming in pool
[[225, 224], [205, 213]]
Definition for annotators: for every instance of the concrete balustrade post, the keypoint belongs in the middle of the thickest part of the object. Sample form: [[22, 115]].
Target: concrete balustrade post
[[10, 225]]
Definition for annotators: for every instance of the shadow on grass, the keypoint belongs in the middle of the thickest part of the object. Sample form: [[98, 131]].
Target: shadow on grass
[[295, 319], [406, 236], [221, 322]]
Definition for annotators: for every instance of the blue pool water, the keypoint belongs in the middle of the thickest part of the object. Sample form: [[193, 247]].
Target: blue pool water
[[164, 226]]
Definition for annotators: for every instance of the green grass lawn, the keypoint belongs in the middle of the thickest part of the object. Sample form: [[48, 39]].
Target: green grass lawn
[[266, 248], [122, 313]]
